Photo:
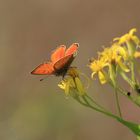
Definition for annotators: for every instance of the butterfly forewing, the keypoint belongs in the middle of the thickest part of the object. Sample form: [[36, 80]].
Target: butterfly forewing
[[72, 49], [44, 69], [58, 54]]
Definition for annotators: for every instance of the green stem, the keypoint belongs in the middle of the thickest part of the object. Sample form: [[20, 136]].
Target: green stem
[[131, 50], [117, 103], [116, 97], [113, 75], [93, 101], [84, 98], [98, 110], [133, 127], [127, 79], [129, 97], [132, 71], [124, 93]]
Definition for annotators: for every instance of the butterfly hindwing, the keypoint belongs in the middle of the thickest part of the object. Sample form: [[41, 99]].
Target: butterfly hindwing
[[44, 69], [63, 64]]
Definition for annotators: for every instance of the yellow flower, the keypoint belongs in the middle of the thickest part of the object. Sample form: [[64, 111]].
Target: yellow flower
[[115, 55], [130, 41], [79, 86], [128, 37], [97, 67], [72, 84], [67, 85]]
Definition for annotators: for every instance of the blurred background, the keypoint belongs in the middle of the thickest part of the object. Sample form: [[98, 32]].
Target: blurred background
[[29, 31]]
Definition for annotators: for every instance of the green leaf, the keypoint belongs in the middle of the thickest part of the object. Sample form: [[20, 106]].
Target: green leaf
[[135, 128]]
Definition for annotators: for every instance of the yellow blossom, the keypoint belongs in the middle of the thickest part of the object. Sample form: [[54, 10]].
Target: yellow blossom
[[128, 37], [130, 41], [79, 86], [72, 85], [102, 77], [117, 55], [67, 85], [114, 53], [97, 66]]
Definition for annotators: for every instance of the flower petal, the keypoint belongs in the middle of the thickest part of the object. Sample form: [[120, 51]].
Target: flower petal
[[123, 67], [79, 86], [102, 77]]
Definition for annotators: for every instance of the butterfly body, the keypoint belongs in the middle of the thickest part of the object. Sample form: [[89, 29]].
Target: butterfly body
[[61, 60]]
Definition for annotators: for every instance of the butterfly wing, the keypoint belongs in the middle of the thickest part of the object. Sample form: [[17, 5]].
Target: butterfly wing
[[72, 49], [63, 64], [61, 60], [44, 69], [58, 53]]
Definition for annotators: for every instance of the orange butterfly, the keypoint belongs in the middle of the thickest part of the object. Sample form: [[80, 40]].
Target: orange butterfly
[[61, 60]]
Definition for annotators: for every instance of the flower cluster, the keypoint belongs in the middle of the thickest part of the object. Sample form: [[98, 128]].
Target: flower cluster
[[116, 58]]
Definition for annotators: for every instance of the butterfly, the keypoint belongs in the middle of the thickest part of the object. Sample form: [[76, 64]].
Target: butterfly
[[60, 62]]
